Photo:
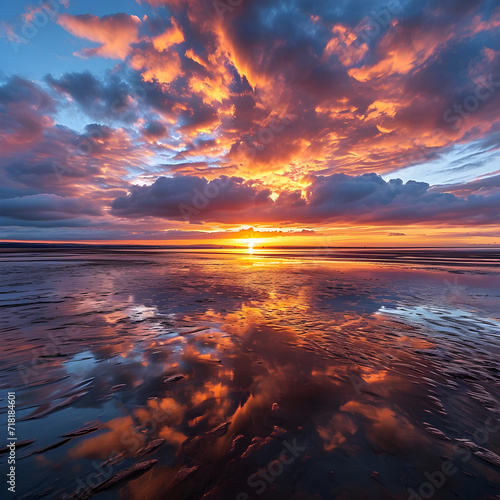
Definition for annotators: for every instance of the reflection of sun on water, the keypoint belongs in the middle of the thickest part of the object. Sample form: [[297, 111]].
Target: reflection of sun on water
[[253, 245]]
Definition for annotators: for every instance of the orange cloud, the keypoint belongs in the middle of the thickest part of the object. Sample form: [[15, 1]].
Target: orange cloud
[[344, 44], [402, 53], [404, 49], [115, 33], [163, 66], [172, 36]]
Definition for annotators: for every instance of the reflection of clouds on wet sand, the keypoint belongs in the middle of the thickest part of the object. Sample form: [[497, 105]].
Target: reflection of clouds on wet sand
[[119, 436], [208, 364], [337, 431], [387, 431]]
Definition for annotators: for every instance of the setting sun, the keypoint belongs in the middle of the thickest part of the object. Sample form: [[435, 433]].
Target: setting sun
[[252, 244]]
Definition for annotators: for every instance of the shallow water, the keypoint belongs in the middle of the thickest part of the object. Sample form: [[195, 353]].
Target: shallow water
[[280, 376]]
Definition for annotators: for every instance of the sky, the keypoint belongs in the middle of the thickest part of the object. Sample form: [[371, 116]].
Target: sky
[[259, 122]]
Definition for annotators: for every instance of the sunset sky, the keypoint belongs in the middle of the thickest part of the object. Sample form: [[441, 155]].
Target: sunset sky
[[277, 122]]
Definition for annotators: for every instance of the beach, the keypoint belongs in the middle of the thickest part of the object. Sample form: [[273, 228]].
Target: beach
[[278, 374]]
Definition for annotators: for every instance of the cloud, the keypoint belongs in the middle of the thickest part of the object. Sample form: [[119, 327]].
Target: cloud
[[483, 186], [46, 208], [25, 111], [39, 156], [155, 65], [112, 99], [188, 198], [251, 233], [172, 36], [114, 32], [360, 99], [155, 130], [364, 199]]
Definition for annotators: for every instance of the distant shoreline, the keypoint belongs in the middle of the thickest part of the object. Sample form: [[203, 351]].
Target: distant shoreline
[[118, 246]]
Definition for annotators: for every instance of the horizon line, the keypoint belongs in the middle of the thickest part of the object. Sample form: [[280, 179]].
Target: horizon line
[[14, 244]]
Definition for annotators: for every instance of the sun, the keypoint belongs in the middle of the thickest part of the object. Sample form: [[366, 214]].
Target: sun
[[251, 244]]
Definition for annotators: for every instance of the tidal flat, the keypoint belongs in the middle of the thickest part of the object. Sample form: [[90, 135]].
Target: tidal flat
[[153, 374]]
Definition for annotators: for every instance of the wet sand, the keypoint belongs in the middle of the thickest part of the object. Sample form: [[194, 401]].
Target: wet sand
[[277, 375]]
